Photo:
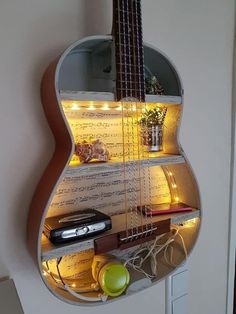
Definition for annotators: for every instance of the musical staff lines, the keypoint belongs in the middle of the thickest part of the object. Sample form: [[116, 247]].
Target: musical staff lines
[[105, 191]]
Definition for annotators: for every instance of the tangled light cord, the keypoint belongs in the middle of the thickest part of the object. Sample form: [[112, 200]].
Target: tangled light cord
[[152, 250], [136, 262], [79, 294]]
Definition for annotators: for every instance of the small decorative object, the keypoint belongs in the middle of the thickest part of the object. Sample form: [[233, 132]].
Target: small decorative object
[[112, 276], [153, 86], [95, 150], [152, 128]]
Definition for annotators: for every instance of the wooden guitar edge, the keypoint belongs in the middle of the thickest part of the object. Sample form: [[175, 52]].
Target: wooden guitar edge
[[58, 162]]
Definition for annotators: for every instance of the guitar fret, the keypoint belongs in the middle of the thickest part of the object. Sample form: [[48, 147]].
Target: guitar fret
[[139, 43], [140, 66], [129, 49], [123, 48], [128, 89], [124, 54], [126, 25], [128, 71], [123, 11], [134, 80]]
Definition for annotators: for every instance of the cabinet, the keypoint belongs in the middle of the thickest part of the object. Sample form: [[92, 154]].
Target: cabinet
[[79, 103]]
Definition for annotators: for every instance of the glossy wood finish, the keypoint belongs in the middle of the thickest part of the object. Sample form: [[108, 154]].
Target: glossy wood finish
[[57, 164]]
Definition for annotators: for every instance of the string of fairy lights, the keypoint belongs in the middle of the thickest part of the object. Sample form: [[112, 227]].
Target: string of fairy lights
[[91, 106], [134, 109]]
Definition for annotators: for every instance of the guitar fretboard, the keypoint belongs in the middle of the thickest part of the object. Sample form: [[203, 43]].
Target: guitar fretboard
[[127, 32]]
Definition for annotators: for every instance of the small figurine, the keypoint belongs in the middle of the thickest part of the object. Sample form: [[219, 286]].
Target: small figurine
[[95, 150]]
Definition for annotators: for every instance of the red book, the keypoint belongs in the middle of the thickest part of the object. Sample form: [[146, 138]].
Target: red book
[[166, 208]]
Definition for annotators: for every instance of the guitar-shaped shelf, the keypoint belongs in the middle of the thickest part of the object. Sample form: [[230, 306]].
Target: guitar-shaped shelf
[[116, 152]]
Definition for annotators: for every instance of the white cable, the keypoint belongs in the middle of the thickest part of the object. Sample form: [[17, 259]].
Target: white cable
[[137, 261], [100, 297]]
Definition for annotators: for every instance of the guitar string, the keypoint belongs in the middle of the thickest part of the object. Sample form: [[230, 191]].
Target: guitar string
[[140, 90], [133, 165], [123, 120], [149, 191], [131, 193], [125, 106], [128, 109], [135, 110]]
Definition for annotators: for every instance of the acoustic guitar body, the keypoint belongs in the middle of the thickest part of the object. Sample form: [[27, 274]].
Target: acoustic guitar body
[[144, 184]]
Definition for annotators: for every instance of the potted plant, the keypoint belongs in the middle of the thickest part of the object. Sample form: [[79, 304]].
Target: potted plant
[[151, 122]]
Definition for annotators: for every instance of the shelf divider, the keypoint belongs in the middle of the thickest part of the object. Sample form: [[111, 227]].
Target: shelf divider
[[116, 164], [50, 251], [106, 96]]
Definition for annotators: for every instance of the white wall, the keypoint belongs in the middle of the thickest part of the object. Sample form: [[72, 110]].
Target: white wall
[[198, 37], [232, 259]]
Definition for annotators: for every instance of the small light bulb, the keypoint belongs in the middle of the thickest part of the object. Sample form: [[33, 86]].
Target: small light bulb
[[91, 106], [170, 174], [73, 285], [75, 106], [133, 108], [177, 199], [174, 186], [190, 223], [105, 107]]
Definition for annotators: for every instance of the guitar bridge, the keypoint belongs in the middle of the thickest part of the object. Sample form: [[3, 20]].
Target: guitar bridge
[[126, 239]]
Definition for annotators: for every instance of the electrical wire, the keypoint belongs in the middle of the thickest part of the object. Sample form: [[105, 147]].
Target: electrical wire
[[152, 251]]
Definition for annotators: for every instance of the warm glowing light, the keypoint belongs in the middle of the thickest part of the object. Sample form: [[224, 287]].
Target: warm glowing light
[[177, 199], [190, 223], [105, 107], [174, 186], [91, 106], [133, 108], [170, 174], [73, 285], [75, 107], [44, 273], [119, 108]]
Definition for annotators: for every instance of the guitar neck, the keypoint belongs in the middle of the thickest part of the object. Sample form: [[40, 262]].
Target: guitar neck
[[127, 32]]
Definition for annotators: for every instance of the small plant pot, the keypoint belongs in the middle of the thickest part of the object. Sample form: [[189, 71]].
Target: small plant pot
[[152, 137]]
